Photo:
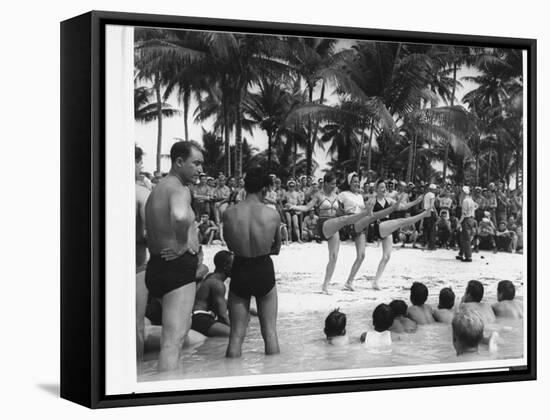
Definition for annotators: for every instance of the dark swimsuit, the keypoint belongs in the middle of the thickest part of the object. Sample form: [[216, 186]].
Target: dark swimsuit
[[376, 225], [202, 321], [252, 276], [164, 276]]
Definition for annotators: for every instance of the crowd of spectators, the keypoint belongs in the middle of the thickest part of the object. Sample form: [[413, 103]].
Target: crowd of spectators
[[498, 216]]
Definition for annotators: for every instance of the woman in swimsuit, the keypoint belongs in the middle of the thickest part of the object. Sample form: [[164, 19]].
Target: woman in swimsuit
[[384, 227], [331, 220]]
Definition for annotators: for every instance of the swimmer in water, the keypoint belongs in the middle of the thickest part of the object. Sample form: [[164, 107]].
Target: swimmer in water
[[444, 312], [472, 299], [382, 320], [335, 328], [468, 333], [401, 324], [420, 311], [507, 307]]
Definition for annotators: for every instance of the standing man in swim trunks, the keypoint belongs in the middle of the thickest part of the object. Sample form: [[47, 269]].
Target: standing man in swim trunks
[[141, 254], [173, 244], [251, 230]]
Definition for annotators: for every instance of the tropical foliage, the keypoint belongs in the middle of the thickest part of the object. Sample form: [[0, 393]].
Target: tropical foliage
[[386, 109]]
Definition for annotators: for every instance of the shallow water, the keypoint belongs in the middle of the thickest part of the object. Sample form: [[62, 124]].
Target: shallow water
[[303, 349]]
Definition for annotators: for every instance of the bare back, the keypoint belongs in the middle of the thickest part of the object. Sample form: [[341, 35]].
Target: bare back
[[421, 314], [483, 309], [250, 228], [170, 200], [508, 309]]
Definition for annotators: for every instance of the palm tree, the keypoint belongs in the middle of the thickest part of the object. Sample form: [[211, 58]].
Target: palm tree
[[146, 111]]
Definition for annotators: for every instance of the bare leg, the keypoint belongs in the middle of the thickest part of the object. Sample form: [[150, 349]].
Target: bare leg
[[267, 315], [360, 242], [176, 322], [387, 227], [333, 248], [220, 230], [361, 220], [288, 218], [386, 253], [239, 310], [219, 329], [141, 304], [296, 227]]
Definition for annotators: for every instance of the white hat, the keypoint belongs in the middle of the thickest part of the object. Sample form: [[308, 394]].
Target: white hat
[[466, 189], [432, 187]]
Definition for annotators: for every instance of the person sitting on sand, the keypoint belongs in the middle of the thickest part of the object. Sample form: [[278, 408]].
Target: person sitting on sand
[[420, 312], [309, 227], [335, 328], [507, 307], [210, 310], [207, 229], [401, 324], [444, 312], [472, 299], [468, 333], [382, 320]]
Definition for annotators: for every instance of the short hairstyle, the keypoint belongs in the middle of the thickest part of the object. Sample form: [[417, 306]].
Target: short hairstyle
[[475, 290], [446, 298], [335, 324], [419, 293], [382, 317], [138, 153], [221, 259], [256, 179], [468, 327], [378, 182], [329, 177], [399, 307], [507, 289], [183, 149]]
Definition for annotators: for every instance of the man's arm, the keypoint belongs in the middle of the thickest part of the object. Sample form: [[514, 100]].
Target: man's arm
[[276, 246], [142, 196], [305, 208], [181, 217], [218, 299]]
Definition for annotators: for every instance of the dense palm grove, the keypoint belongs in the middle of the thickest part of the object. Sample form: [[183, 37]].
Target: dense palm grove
[[382, 109]]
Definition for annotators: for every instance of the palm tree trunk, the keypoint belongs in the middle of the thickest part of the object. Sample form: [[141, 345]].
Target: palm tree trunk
[[186, 97], [489, 165], [226, 136], [238, 141], [295, 154], [269, 135], [159, 121], [309, 148], [358, 168], [413, 166], [408, 177], [369, 147], [446, 157]]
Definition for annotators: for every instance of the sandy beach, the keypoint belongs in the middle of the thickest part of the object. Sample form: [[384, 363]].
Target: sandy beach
[[300, 271]]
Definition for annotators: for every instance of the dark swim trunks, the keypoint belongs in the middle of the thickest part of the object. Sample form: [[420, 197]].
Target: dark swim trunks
[[202, 321], [252, 276], [320, 224], [164, 276]]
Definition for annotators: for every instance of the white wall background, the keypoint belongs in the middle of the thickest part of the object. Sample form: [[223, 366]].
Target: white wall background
[[29, 269]]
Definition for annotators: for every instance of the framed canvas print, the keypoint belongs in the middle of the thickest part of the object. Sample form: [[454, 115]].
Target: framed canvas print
[[255, 209]]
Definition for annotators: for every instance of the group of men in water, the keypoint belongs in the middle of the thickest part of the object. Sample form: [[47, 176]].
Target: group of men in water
[[166, 226], [468, 321]]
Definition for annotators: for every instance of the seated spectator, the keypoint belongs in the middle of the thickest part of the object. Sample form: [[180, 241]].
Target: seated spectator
[[309, 227], [486, 234], [472, 299], [408, 234], [207, 229], [420, 311], [382, 320], [444, 312], [504, 239], [401, 323], [335, 328], [210, 316], [454, 240], [507, 307]]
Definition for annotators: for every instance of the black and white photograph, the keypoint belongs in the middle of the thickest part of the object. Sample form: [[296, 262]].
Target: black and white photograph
[[311, 209]]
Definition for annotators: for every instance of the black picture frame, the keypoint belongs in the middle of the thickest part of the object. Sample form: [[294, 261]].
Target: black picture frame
[[83, 210]]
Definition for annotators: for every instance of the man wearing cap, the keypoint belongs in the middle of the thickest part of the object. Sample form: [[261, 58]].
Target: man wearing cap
[[480, 201], [467, 225], [429, 222]]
